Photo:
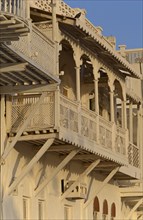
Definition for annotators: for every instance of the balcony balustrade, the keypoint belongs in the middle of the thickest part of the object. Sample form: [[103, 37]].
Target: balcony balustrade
[[15, 7], [74, 119], [36, 49], [21, 106], [133, 154]]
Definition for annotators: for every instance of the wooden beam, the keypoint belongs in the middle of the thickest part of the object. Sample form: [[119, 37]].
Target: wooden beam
[[9, 36], [62, 147], [134, 208], [7, 22], [31, 137], [34, 160], [56, 171], [10, 39], [32, 112], [11, 31], [28, 88], [107, 179], [140, 217], [132, 194], [85, 173], [8, 67], [13, 26]]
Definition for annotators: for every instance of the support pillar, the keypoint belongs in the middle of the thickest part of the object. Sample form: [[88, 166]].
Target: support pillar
[[96, 96], [131, 121], [54, 22], [124, 114], [138, 124], [96, 108], [112, 106], [77, 68]]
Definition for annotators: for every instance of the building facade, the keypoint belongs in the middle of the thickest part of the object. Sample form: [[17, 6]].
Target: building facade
[[71, 122]]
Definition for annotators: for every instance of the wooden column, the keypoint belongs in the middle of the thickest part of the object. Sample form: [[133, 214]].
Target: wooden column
[[138, 124], [124, 114], [77, 68], [96, 96], [131, 121], [54, 23], [112, 105], [96, 91]]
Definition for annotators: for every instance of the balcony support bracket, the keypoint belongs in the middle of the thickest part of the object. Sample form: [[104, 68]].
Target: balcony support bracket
[[85, 173], [134, 208], [30, 165], [8, 67], [107, 179], [38, 189]]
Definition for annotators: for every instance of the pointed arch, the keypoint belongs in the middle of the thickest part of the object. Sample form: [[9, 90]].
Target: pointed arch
[[113, 210], [67, 72], [96, 206], [105, 207]]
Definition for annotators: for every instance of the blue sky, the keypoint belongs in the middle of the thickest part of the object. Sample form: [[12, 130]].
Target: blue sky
[[120, 18]]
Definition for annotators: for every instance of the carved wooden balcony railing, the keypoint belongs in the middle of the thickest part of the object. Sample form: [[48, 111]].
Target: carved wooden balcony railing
[[36, 49], [14, 16], [105, 133], [43, 119], [133, 154], [15, 7], [72, 118]]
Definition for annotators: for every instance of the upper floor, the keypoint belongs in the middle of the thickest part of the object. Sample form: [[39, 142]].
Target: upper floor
[[86, 81]]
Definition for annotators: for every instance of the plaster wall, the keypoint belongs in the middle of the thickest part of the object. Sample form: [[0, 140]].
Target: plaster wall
[[53, 206]]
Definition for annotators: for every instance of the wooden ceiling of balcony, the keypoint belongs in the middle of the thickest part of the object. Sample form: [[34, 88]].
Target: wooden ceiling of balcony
[[16, 71], [62, 149]]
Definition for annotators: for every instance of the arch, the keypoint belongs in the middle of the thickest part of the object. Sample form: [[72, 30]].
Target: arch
[[87, 83], [118, 89], [66, 42], [105, 207], [104, 97], [67, 72], [96, 206], [113, 210]]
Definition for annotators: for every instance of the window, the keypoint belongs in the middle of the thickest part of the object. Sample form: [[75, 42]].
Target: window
[[67, 212], [105, 210], [25, 208], [40, 210], [96, 208], [113, 211]]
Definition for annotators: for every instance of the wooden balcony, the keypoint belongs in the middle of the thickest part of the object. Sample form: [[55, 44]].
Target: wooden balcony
[[74, 124], [37, 52], [15, 7], [38, 49], [13, 19]]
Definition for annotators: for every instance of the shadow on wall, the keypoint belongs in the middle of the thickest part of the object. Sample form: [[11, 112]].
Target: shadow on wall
[[11, 210]]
